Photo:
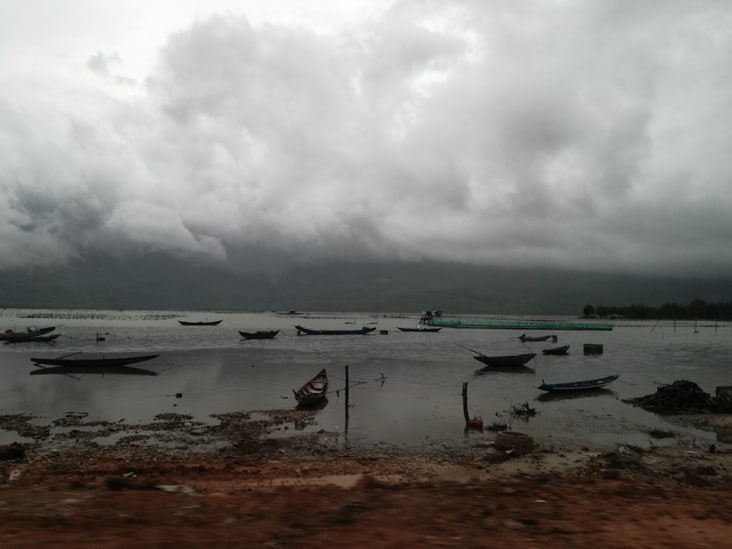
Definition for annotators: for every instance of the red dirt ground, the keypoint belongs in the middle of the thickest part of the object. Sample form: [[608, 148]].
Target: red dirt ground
[[138, 497]]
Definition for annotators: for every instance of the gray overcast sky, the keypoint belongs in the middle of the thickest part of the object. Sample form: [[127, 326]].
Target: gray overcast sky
[[577, 134]]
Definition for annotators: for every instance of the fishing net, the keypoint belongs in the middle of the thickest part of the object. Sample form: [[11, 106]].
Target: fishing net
[[680, 396]]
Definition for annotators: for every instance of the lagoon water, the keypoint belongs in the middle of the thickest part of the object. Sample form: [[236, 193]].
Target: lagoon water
[[417, 402]]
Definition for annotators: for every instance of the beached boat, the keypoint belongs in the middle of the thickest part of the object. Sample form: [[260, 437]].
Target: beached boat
[[30, 332], [524, 337], [419, 329], [259, 334], [556, 350], [74, 361], [70, 370], [505, 361], [50, 338], [313, 391], [301, 330], [572, 386], [199, 323]]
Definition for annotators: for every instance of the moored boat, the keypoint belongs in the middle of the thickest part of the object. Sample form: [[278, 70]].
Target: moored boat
[[199, 323], [259, 334], [92, 362], [573, 386], [313, 391], [301, 330], [69, 370], [29, 333], [556, 350], [524, 337], [419, 329], [505, 361], [34, 339]]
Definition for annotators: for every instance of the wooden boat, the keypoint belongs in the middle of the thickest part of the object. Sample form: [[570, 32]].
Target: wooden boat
[[556, 350], [34, 339], [505, 361], [70, 370], [572, 386], [199, 323], [501, 362], [301, 330], [313, 391], [419, 329], [30, 332], [93, 362], [259, 334], [524, 337]]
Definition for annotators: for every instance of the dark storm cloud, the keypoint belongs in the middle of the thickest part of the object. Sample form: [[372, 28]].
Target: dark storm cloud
[[569, 134]]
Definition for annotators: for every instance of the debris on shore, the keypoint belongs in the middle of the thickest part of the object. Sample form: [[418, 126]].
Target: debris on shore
[[680, 397]]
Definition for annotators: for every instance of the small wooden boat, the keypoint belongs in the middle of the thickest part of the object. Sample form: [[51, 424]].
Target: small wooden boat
[[70, 370], [556, 350], [199, 323], [419, 329], [30, 332], [505, 361], [524, 337], [301, 330], [92, 362], [313, 391], [259, 334], [34, 339], [572, 386]]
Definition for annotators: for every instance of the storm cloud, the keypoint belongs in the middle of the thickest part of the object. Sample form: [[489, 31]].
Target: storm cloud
[[586, 135]]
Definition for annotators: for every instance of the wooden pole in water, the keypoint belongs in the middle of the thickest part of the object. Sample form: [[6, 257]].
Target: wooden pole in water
[[465, 403], [347, 390]]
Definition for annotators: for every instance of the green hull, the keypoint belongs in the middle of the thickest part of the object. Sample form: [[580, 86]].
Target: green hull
[[519, 324]]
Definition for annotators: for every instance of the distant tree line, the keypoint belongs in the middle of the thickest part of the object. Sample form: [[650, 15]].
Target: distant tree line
[[696, 309]]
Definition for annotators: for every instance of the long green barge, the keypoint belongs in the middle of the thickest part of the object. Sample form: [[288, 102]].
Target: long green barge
[[519, 324]]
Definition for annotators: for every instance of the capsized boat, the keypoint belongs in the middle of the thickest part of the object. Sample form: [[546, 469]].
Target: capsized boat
[[313, 391]]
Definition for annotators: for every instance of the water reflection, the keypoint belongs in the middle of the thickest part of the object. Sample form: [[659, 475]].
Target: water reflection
[[569, 395], [317, 405], [503, 370]]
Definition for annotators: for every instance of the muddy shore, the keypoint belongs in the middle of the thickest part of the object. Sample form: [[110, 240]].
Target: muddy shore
[[178, 481]]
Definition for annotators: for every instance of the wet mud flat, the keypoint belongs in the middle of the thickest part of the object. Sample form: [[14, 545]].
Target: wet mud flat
[[269, 478]]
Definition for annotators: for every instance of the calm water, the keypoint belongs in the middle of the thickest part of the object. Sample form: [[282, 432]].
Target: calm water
[[419, 403]]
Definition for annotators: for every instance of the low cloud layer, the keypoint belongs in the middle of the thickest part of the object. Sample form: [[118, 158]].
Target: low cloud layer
[[553, 134]]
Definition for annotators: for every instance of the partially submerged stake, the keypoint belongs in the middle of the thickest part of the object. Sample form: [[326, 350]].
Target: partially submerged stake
[[476, 422], [347, 389]]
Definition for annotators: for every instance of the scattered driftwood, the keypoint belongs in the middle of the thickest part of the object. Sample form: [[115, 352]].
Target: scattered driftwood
[[681, 396], [522, 411]]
